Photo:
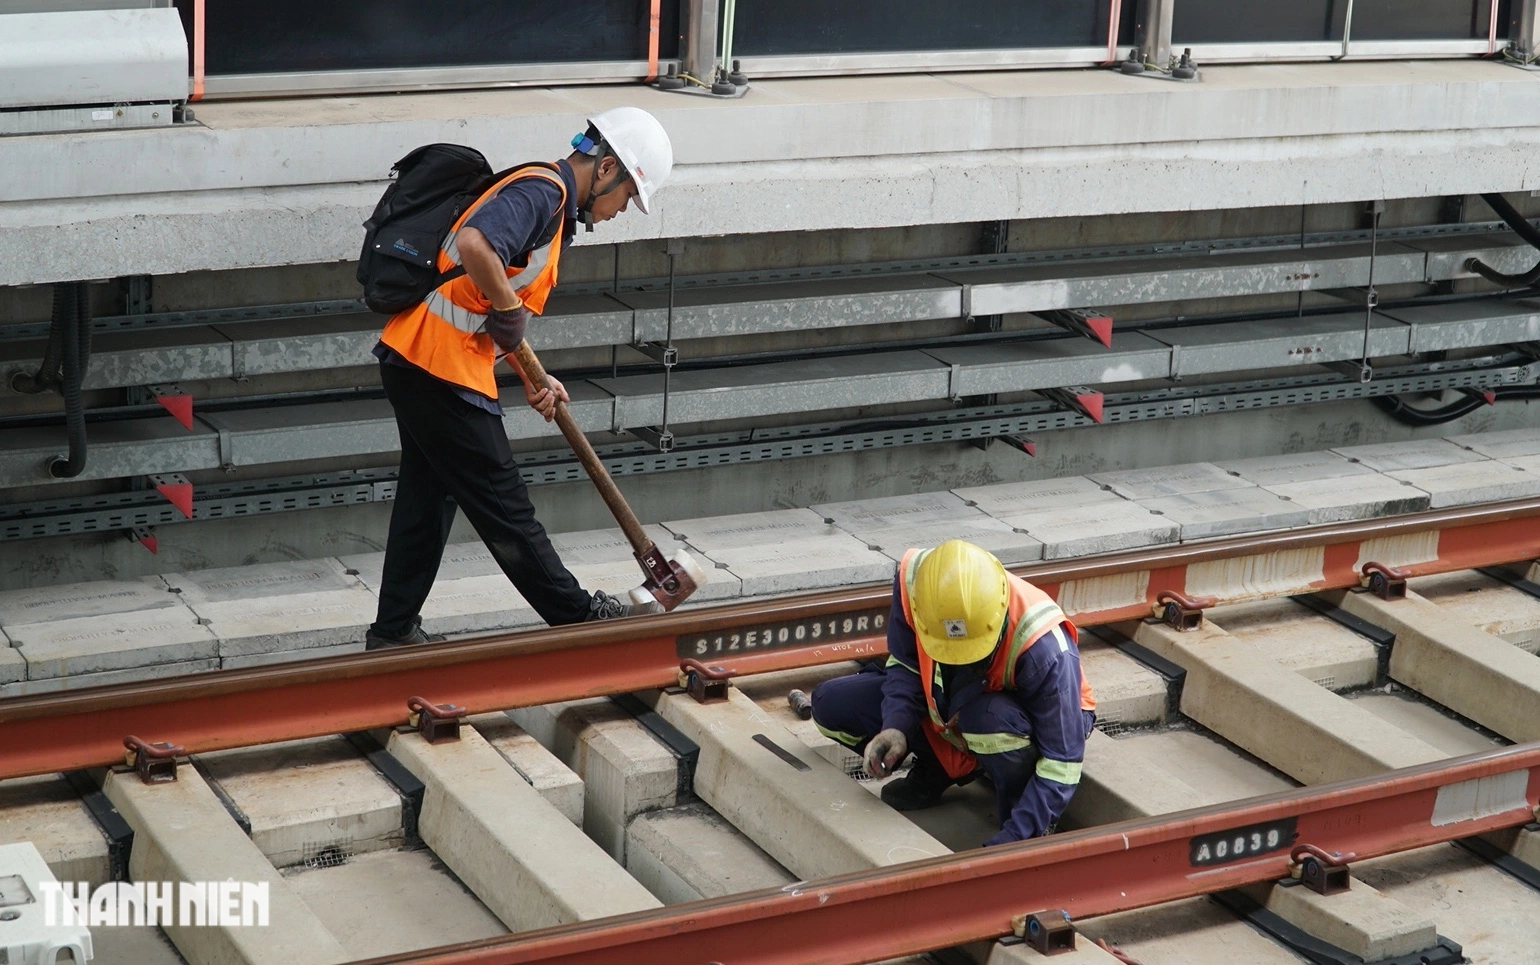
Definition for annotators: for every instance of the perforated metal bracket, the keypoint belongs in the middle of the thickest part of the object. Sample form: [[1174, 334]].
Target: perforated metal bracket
[[1081, 398], [1385, 582], [708, 685], [1050, 932], [154, 763], [660, 439], [144, 536], [658, 352], [437, 724], [1093, 323]]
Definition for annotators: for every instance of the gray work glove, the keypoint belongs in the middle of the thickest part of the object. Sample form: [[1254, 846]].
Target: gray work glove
[[885, 752], [507, 327]]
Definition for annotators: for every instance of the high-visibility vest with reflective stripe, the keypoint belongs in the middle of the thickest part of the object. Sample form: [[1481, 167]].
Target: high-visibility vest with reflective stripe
[[445, 334], [1030, 615]]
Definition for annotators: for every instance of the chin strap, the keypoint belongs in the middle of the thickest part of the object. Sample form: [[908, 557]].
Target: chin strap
[[598, 151]]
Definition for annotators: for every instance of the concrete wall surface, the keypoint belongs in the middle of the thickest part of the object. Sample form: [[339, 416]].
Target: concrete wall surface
[[283, 182]]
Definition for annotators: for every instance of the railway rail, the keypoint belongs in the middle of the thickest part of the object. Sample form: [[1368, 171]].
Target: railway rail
[[922, 905]]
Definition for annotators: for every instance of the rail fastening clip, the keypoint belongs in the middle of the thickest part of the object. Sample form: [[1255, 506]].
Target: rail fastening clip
[[1385, 582], [436, 724], [708, 685], [154, 763], [1050, 932], [1323, 872]]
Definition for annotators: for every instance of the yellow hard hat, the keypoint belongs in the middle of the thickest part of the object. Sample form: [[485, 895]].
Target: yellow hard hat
[[959, 599]]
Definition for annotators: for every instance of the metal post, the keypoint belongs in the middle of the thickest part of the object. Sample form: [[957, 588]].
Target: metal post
[[1526, 28], [1152, 32], [700, 39]]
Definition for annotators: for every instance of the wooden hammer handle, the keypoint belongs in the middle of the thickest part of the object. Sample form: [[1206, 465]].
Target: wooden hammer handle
[[534, 372]]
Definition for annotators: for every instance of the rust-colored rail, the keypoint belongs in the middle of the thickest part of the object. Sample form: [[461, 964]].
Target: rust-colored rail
[[239, 708], [924, 905]]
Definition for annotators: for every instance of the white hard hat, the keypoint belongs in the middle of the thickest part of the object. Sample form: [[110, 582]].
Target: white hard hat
[[641, 145]]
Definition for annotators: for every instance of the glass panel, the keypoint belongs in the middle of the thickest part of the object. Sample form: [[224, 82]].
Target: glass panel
[[1256, 21], [779, 27], [1424, 20], [307, 35]]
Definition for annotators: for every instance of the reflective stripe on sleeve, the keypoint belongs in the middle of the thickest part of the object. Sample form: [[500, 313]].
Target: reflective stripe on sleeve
[[849, 740], [1063, 772], [996, 743]]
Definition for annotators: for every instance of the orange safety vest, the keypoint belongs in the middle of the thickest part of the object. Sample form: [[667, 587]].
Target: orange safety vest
[[445, 333], [1031, 615]]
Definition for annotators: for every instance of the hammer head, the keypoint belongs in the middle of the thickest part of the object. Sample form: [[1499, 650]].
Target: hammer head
[[669, 582]]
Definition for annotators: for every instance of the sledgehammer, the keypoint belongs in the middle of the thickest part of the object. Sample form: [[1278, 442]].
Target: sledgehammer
[[668, 582]]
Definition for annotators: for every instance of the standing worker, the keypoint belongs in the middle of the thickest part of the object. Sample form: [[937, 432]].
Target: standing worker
[[983, 673], [436, 366]]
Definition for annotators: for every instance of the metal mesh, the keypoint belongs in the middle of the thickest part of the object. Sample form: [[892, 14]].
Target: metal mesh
[[322, 854]]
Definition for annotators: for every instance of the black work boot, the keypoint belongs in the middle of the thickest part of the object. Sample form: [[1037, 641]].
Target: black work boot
[[921, 788], [379, 641]]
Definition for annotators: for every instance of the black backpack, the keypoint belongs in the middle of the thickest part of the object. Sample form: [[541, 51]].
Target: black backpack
[[433, 187]]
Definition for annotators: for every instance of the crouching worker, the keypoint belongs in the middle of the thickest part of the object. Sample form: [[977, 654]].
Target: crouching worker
[[983, 674]]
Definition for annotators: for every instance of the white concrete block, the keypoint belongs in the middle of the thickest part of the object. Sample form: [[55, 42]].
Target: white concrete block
[[279, 606], [289, 656], [918, 509], [309, 801], [790, 565], [690, 852], [1197, 477], [1502, 445], [1098, 528], [1483, 482], [264, 581], [750, 529], [460, 561], [1038, 496], [541, 769], [121, 641], [1295, 467], [13, 666], [1412, 454], [48, 603], [619, 576], [521, 856], [1334, 500], [476, 603], [606, 545], [1223, 512], [625, 770], [157, 671], [1010, 546]]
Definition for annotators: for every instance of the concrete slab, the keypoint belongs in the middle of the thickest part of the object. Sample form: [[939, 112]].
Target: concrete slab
[[751, 529], [182, 832], [1215, 770], [278, 606], [309, 801], [520, 855], [460, 561], [469, 595], [1185, 932], [617, 577], [13, 665], [392, 902], [1085, 952], [606, 545], [1095, 529], [133, 945], [1483, 602], [1127, 694], [1491, 915], [120, 641], [1197, 477], [1362, 920], [1339, 499], [157, 671], [1501, 445], [1120, 783], [1305, 731], [554, 781], [1326, 653], [1396, 705], [920, 508], [1471, 672], [1037, 496], [625, 770], [46, 811], [791, 565], [1296, 467], [1411, 454], [45, 604], [769, 691], [810, 817], [690, 852], [1484, 482], [1226, 512], [1008, 545], [288, 656]]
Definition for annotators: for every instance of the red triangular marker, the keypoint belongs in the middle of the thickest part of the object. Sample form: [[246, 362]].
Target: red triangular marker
[[180, 495], [1091, 402], [1101, 325], [179, 406], [1029, 447], [150, 543]]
